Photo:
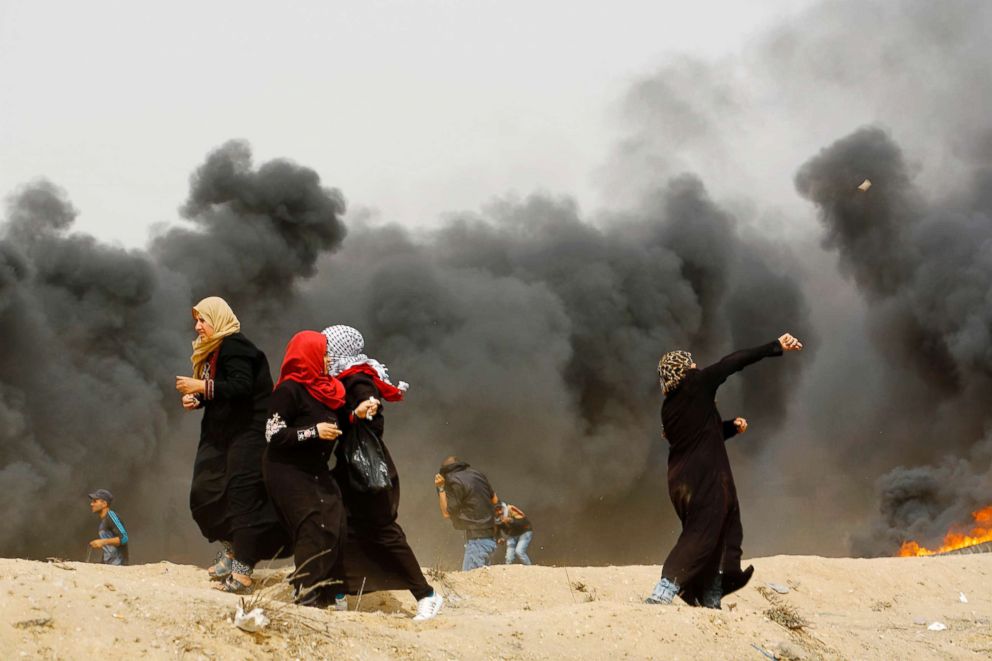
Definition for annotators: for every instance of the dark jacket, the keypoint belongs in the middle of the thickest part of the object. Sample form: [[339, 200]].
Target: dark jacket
[[470, 500]]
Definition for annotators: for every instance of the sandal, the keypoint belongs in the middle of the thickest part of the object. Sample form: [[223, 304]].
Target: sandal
[[221, 569], [234, 586]]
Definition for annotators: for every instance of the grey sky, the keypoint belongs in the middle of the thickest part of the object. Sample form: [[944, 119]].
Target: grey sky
[[411, 108]]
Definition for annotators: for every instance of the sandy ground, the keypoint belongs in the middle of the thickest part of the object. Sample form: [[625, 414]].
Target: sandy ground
[[836, 608]]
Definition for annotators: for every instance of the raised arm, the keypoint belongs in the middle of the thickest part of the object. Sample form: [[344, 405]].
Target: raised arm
[[442, 495], [717, 373], [714, 375]]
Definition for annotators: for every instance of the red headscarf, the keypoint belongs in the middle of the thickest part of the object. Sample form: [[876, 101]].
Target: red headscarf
[[304, 363], [389, 392]]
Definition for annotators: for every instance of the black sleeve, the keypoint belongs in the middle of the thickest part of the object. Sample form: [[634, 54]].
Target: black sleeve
[[729, 429], [358, 388], [235, 371], [283, 410], [714, 375]]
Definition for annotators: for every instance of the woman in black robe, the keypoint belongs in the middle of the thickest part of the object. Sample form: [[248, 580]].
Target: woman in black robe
[[700, 481], [378, 554], [231, 383], [301, 430]]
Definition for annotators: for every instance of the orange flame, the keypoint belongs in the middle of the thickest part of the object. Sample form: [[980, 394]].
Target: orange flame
[[981, 531]]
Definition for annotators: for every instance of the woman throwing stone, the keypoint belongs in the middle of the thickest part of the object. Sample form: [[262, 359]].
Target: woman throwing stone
[[377, 550], [231, 383], [700, 482]]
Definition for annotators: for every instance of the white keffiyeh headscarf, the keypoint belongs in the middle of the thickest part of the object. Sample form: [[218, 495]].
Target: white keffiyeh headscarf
[[344, 348]]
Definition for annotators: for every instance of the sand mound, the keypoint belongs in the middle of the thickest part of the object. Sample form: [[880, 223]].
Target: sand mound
[[831, 609]]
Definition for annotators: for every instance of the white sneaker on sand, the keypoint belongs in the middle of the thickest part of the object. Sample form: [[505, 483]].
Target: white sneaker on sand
[[428, 607]]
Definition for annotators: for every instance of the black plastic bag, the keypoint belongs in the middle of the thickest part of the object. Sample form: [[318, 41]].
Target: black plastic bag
[[367, 468]]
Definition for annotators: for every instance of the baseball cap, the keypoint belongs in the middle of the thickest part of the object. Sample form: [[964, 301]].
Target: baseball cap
[[102, 494]]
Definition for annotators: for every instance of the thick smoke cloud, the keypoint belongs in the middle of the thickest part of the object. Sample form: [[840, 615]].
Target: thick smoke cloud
[[925, 502], [255, 232], [530, 333], [94, 334], [924, 265]]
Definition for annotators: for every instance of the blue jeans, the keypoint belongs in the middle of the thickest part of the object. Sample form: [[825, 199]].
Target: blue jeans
[[478, 553], [516, 547]]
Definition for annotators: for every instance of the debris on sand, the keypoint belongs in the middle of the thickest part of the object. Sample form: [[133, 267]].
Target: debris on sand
[[38, 622], [787, 616], [252, 621], [781, 612], [60, 563]]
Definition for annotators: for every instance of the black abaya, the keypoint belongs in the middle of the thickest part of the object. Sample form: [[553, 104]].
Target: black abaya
[[377, 552], [227, 495], [301, 486], [700, 481]]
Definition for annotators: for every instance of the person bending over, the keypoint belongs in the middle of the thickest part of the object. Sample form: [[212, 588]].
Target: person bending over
[[467, 499]]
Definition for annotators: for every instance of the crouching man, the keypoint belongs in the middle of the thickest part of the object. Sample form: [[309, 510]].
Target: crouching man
[[467, 499]]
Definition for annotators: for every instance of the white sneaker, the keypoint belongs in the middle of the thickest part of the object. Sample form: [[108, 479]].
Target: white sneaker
[[428, 607]]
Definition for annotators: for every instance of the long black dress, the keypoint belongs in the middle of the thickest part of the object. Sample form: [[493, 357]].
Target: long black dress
[[302, 488], [227, 495], [733, 576], [376, 551], [700, 481]]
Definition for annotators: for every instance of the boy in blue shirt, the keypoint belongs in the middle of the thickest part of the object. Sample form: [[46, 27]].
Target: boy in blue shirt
[[112, 534]]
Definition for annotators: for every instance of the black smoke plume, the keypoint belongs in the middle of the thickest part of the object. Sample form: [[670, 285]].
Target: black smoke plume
[[530, 333], [922, 264], [94, 335]]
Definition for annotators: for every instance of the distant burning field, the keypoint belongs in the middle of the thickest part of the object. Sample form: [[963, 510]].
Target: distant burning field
[[977, 539]]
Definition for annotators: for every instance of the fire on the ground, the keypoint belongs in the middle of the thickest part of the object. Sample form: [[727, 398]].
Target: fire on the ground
[[957, 538]]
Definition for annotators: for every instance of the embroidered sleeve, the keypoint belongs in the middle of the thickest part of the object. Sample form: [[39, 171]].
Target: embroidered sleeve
[[306, 434], [273, 426]]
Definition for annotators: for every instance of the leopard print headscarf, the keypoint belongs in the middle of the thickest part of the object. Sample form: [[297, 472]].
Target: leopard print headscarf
[[672, 368]]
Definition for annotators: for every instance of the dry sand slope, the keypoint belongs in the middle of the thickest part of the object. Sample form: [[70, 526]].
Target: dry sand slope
[[839, 608]]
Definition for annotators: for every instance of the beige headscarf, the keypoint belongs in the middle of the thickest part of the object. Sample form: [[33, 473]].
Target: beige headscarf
[[219, 315]]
